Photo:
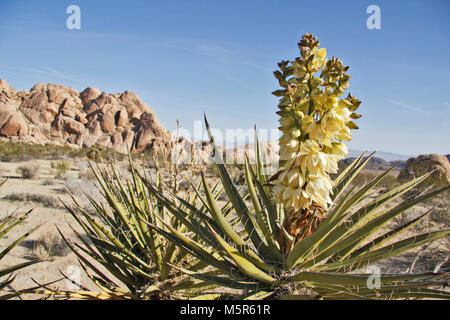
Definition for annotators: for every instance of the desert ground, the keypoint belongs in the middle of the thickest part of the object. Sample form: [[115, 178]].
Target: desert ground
[[44, 192]]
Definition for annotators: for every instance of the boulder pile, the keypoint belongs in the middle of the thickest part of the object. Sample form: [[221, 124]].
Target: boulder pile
[[56, 114]]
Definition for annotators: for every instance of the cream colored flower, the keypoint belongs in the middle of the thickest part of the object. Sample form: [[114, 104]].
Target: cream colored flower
[[319, 59], [312, 120]]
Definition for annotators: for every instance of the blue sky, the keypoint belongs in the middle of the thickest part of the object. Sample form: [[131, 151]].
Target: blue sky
[[184, 58]]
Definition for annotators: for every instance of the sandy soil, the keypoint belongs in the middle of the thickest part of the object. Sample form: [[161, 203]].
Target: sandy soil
[[50, 218]]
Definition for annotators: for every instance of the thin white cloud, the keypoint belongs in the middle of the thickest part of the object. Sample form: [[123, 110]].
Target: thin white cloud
[[404, 105], [51, 73], [215, 51]]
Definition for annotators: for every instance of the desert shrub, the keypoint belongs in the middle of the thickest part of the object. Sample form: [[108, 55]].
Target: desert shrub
[[49, 246], [61, 166], [29, 171], [44, 200], [441, 216], [93, 154]]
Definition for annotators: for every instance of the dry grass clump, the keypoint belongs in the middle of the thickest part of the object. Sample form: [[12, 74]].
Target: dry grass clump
[[61, 166], [175, 164], [49, 246], [29, 171]]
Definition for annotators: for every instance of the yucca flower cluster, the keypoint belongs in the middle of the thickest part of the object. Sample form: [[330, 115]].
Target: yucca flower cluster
[[314, 119]]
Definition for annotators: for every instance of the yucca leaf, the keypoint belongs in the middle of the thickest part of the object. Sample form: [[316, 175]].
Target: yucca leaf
[[344, 173], [385, 252], [16, 267], [195, 226], [259, 164], [261, 215], [271, 211], [243, 264], [261, 219], [106, 287], [253, 230], [349, 175], [211, 296], [355, 199], [193, 247], [367, 230], [374, 244], [4, 230], [355, 279], [371, 229], [191, 286], [260, 295], [332, 244], [222, 281], [101, 230], [217, 214], [126, 218], [15, 243], [108, 266]]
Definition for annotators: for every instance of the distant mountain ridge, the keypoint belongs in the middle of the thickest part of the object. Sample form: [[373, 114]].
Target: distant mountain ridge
[[387, 156]]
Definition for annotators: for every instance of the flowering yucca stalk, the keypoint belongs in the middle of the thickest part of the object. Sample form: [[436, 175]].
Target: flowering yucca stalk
[[264, 250], [313, 120]]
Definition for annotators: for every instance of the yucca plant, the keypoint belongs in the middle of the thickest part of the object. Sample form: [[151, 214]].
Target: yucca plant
[[136, 258], [7, 273], [302, 234], [296, 235]]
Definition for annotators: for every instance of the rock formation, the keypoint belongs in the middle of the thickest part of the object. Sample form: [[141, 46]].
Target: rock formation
[[56, 114], [59, 115], [416, 167]]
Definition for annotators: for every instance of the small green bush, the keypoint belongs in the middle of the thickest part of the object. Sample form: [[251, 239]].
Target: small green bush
[[61, 166]]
